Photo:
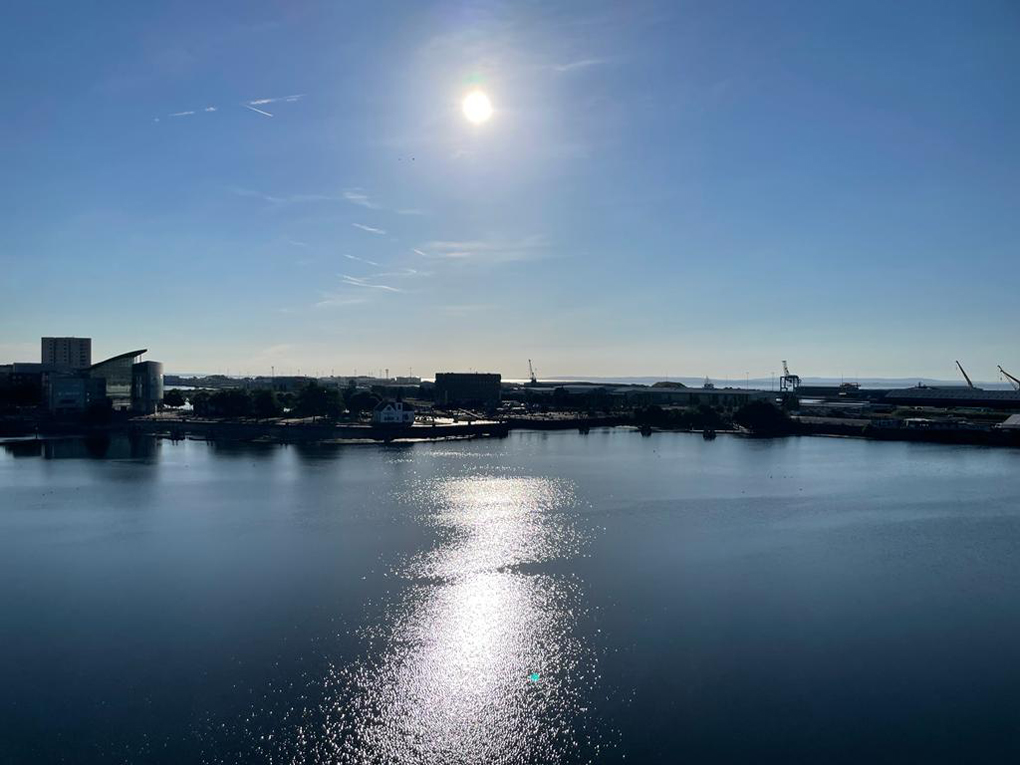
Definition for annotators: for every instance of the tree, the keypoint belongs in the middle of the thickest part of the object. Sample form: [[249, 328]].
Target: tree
[[763, 418], [651, 415], [315, 401], [362, 401], [201, 403], [173, 399], [707, 418], [228, 402], [264, 404]]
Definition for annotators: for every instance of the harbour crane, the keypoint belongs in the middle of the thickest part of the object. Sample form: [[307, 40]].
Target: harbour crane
[[965, 377], [531, 374], [1015, 382], [788, 381]]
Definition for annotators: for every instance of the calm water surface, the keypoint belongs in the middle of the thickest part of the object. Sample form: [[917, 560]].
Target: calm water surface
[[542, 598]]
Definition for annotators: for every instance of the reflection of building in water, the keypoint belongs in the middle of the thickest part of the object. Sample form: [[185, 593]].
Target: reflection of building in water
[[117, 447], [29, 447], [102, 446]]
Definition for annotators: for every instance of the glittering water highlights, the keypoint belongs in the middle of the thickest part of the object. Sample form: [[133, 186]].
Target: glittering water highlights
[[456, 683], [478, 659], [539, 598]]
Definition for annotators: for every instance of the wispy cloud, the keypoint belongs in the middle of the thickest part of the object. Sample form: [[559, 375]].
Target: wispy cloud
[[358, 197], [466, 308], [485, 250], [369, 229], [584, 63], [252, 105], [363, 260], [403, 272], [330, 300], [285, 99], [298, 198], [243, 192], [273, 352], [355, 281], [290, 199]]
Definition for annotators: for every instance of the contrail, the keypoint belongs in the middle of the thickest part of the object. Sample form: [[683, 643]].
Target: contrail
[[246, 106]]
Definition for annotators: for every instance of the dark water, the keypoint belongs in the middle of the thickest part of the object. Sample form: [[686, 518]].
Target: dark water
[[543, 598]]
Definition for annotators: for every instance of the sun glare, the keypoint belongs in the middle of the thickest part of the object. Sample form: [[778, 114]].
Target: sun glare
[[477, 107]]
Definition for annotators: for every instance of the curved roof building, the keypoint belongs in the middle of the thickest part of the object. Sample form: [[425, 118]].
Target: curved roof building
[[117, 371]]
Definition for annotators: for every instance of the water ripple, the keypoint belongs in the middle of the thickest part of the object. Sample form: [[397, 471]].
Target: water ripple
[[480, 656]]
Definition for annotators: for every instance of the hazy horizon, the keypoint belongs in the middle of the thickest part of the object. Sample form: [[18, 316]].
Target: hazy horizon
[[696, 189]]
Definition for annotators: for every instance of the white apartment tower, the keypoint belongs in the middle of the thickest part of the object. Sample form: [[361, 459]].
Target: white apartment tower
[[69, 352]]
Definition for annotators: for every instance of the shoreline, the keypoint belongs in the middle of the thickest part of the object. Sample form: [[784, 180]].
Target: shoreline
[[352, 434]]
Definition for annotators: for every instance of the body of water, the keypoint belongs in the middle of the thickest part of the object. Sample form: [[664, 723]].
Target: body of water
[[548, 597]]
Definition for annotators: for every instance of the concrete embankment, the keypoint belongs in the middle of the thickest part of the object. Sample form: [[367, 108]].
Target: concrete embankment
[[250, 430], [565, 423], [307, 432], [989, 436]]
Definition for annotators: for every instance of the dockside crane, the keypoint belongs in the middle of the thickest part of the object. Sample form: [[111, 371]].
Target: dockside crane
[[965, 377], [788, 381], [531, 374], [1015, 382]]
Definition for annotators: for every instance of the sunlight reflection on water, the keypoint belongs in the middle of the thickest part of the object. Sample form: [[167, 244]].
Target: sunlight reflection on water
[[452, 684], [446, 674]]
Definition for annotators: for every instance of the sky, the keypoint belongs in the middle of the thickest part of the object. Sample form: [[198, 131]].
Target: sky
[[676, 188]]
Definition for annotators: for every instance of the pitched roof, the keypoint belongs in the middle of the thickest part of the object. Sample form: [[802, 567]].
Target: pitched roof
[[381, 406]]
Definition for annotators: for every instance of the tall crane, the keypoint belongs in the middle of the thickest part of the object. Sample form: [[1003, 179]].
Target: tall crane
[[1015, 382], [788, 381], [965, 377], [531, 373]]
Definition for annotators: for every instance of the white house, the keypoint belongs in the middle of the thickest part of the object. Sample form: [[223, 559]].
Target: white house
[[393, 413]]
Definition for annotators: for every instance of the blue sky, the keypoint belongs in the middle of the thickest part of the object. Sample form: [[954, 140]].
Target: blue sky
[[664, 188]]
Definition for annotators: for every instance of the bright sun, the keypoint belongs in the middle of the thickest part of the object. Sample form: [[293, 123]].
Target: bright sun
[[477, 107]]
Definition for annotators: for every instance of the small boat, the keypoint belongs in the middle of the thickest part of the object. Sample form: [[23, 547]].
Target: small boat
[[708, 434]]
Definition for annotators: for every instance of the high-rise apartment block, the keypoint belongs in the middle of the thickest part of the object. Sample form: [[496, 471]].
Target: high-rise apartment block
[[68, 352]]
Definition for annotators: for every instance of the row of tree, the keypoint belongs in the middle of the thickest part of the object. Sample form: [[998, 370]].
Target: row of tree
[[758, 417], [313, 400]]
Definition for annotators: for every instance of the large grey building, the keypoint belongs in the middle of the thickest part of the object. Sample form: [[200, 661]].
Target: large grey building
[[67, 352], [468, 389]]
